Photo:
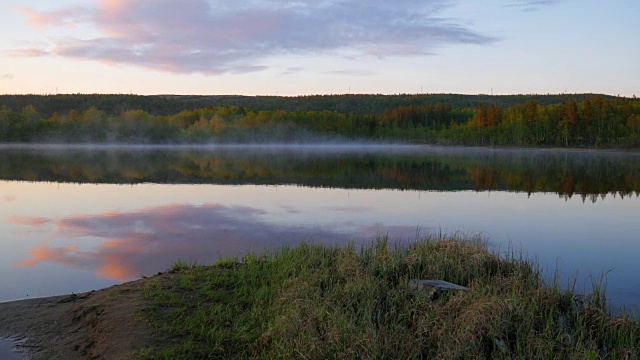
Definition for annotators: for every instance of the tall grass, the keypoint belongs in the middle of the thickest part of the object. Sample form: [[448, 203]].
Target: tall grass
[[314, 301]]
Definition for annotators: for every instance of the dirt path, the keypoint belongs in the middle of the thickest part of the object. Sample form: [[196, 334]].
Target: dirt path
[[100, 324]]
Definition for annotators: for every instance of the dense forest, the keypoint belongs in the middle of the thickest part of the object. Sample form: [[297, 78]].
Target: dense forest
[[347, 104], [581, 120]]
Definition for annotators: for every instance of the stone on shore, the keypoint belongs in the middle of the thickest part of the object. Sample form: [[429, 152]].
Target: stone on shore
[[434, 288]]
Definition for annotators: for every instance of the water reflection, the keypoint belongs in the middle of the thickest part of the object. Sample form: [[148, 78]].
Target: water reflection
[[148, 240], [591, 175], [58, 235]]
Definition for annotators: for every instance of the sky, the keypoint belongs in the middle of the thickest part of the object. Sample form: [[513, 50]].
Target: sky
[[306, 47]]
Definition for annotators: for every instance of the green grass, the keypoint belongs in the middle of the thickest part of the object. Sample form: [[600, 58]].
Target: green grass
[[318, 302]]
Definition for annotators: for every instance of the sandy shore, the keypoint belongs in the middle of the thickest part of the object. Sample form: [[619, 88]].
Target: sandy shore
[[97, 325]]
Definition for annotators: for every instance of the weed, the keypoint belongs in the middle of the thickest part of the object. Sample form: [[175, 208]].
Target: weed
[[315, 301]]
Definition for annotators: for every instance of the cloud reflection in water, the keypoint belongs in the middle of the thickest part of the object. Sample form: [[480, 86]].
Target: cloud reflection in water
[[151, 239]]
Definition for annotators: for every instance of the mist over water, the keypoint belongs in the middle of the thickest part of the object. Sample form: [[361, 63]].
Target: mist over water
[[340, 146], [322, 146], [340, 165], [71, 227]]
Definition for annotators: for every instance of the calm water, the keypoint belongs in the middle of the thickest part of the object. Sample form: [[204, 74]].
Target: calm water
[[81, 218]]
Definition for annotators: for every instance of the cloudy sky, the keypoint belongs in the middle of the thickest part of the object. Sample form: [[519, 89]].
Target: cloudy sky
[[299, 47]]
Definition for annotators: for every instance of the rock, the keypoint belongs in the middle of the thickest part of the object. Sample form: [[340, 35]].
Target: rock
[[502, 346], [73, 297], [433, 288]]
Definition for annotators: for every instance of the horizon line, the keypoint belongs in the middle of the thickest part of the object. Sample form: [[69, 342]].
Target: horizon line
[[325, 94]]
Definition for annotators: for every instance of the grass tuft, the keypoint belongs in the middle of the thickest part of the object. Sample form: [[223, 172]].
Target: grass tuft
[[315, 301]]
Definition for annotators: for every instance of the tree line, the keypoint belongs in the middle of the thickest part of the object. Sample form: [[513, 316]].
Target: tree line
[[595, 121], [114, 104]]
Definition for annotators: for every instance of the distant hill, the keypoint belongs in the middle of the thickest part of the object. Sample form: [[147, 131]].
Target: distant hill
[[46, 105]]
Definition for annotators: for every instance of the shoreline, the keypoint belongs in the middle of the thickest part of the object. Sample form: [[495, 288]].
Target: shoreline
[[46, 297], [291, 297], [9, 350], [78, 326], [347, 145]]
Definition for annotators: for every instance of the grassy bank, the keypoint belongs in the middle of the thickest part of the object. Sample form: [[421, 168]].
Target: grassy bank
[[314, 301]]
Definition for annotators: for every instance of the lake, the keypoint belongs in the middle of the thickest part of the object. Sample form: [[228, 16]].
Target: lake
[[77, 218]]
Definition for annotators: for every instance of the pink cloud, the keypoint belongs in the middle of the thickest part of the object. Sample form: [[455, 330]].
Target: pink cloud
[[212, 37], [34, 18], [151, 239], [29, 221], [66, 17], [29, 52], [43, 252], [115, 267]]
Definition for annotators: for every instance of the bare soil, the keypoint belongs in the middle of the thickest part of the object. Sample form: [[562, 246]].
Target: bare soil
[[103, 324]]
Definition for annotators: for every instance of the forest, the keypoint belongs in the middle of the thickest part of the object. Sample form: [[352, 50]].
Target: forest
[[580, 120]]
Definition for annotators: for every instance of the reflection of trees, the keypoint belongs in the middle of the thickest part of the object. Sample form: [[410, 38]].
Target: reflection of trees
[[589, 175]]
